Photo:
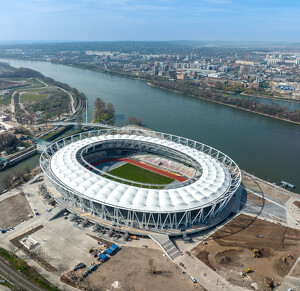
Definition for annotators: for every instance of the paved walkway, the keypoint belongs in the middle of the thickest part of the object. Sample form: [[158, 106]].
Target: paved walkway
[[205, 276], [35, 202]]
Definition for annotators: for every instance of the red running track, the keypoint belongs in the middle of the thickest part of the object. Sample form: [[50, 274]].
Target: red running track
[[142, 165]]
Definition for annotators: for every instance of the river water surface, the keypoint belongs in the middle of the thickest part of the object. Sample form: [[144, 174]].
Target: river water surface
[[267, 147]]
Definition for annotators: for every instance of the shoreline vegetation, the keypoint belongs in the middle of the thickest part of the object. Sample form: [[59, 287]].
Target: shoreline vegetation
[[230, 105], [209, 94], [55, 104], [68, 101], [185, 87]]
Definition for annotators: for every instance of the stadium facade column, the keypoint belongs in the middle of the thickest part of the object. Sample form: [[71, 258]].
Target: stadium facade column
[[237, 201]]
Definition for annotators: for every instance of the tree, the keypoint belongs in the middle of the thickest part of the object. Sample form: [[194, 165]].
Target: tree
[[99, 109], [7, 181], [30, 118], [134, 121], [41, 255], [8, 140], [47, 117], [13, 249], [59, 112], [19, 175], [110, 110]]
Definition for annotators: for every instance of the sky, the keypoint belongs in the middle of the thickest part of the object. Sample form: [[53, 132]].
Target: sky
[[109, 20]]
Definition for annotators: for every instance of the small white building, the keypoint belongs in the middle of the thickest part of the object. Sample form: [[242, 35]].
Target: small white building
[[29, 242]]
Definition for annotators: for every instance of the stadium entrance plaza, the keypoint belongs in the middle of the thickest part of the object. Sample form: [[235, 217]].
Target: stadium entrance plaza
[[64, 245]]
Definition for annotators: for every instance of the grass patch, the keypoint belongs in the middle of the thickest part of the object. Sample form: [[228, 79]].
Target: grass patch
[[5, 99], [35, 83], [135, 173], [26, 270], [32, 97]]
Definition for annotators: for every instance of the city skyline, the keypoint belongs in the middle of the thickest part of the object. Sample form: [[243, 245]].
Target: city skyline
[[92, 20]]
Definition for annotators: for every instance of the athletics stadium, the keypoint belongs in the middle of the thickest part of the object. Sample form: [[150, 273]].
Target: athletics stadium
[[142, 179]]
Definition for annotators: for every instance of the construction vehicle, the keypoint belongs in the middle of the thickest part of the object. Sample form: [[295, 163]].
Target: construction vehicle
[[133, 237], [270, 283], [243, 274], [257, 254]]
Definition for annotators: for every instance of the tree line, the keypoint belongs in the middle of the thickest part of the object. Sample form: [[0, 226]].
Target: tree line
[[188, 88]]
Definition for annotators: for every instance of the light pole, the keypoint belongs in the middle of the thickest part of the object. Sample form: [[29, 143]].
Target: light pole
[[86, 111]]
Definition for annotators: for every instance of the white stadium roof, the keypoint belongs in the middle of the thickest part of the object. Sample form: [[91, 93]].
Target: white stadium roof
[[212, 184]]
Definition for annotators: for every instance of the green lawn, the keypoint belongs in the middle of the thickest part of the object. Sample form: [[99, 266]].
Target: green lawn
[[135, 173], [33, 97]]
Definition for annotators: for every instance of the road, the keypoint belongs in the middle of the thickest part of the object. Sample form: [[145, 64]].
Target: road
[[71, 99], [9, 273], [204, 275]]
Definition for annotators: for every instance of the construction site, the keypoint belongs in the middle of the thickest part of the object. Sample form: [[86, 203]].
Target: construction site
[[248, 250], [256, 248], [131, 269]]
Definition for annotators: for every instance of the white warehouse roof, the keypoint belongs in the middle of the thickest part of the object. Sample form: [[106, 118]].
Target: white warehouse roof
[[212, 184]]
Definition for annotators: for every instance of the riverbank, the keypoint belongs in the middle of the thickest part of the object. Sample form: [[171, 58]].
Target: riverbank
[[225, 104], [119, 74], [262, 96], [179, 92], [272, 98], [263, 146]]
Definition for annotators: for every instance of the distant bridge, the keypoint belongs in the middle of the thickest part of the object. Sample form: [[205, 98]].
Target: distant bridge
[[77, 123]]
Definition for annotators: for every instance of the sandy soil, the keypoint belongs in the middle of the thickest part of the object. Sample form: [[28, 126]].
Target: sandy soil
[[230, 251], [130, 267], [14, 209]]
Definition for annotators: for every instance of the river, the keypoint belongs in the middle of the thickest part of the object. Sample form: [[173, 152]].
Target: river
[[267, 147]]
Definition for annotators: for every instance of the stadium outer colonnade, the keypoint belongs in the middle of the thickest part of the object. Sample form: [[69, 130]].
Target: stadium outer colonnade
[[143, 219]]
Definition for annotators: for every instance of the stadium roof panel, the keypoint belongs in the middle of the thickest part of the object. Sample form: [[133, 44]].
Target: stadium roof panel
[[212, 184]]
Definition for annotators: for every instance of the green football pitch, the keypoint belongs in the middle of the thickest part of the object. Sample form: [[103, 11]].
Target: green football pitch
[[137, 174]]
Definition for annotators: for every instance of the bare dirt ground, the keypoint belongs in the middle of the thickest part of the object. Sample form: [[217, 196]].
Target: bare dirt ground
[[229, 251], [130, 267], [13, 210], [297, 203], [257, 200]]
